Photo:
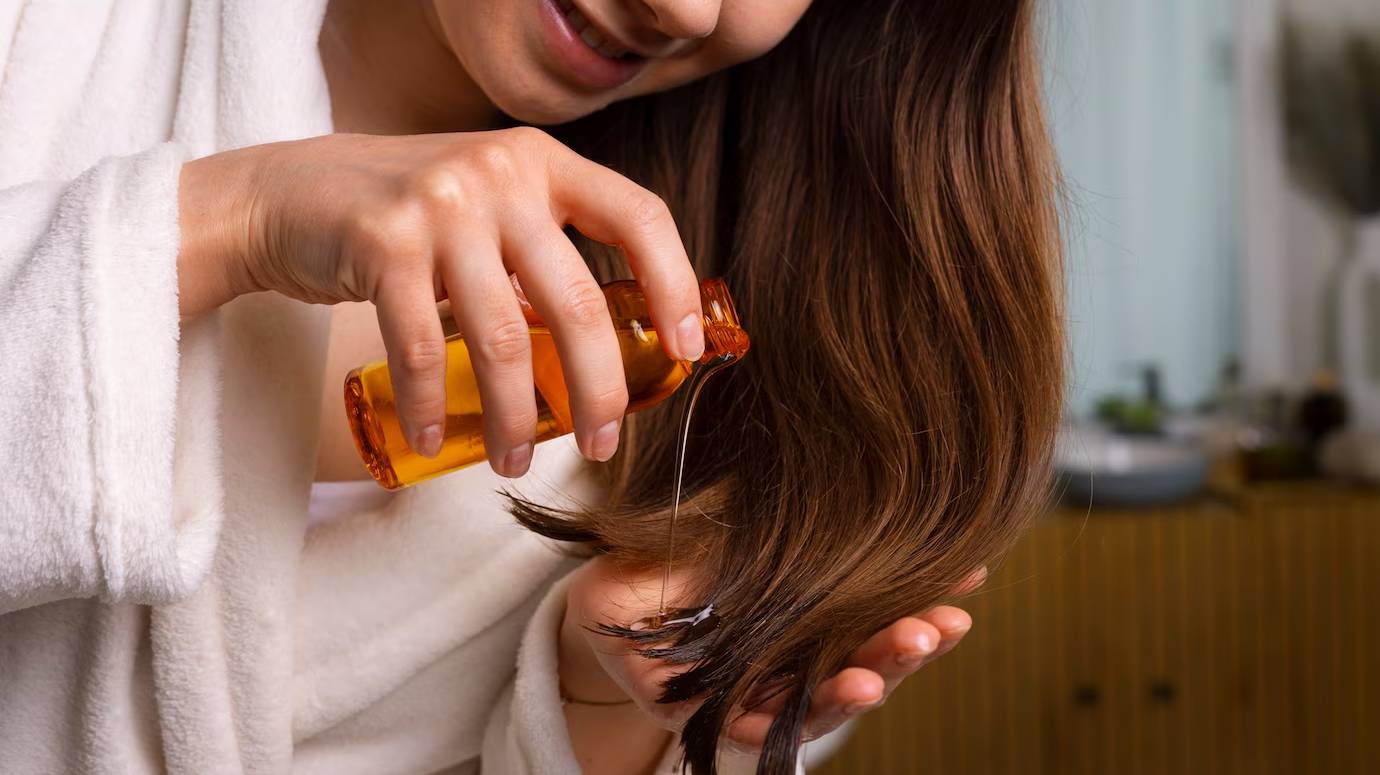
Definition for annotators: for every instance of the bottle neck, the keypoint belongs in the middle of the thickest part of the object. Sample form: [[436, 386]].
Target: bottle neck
[[723, 333]]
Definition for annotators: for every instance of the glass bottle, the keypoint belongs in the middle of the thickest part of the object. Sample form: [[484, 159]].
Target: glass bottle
[[652, 377]]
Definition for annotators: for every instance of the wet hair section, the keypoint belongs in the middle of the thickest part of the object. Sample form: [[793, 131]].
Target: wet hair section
[[880, 196]]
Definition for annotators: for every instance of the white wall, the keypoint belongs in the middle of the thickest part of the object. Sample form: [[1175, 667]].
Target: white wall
[[1142, 110], [1188, 241]]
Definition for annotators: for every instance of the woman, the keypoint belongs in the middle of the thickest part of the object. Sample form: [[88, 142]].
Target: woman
[[875, 189]]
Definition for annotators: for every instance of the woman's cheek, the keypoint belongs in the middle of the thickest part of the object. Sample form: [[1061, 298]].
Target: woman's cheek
[[746, 30], [750, 28]]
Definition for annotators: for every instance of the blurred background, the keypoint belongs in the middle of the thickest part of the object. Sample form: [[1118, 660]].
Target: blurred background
[[1205, 597]]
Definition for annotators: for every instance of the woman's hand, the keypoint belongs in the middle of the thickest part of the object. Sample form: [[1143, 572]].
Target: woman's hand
[[406, 221], [873, 673], [600, 669]]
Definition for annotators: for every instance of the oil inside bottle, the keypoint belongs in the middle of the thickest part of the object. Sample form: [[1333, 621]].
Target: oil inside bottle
[[651, 378]]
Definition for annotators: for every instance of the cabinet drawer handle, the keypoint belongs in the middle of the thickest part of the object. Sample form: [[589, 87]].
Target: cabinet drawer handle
[[1086, 695], [1162, 692]]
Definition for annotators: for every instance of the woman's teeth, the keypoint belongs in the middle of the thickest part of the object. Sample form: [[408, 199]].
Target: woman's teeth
[[587, 32]]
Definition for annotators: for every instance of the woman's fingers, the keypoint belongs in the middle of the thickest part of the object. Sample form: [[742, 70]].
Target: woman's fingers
[[888, 657], [561, 289], [875, 670], [970, 584], [608, 207], [898, 650], [748, 732], [500, 348], [411, 331], [952, 623], [910, 642], [852, 691]]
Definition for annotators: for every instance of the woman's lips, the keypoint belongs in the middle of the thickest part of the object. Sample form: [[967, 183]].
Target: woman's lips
[[584, 63]]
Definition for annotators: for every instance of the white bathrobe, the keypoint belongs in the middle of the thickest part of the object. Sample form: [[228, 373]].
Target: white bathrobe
[[162, 606]]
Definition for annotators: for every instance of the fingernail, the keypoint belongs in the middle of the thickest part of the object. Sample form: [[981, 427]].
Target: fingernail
[[429, 441], [517, 460], [605, 441], [690, 336]]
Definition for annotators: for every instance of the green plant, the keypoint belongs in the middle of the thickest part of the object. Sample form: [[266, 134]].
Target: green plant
[[1130, 416], [1331, 102]]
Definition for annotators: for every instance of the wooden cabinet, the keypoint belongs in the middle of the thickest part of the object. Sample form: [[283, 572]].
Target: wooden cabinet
[[1233, 636]]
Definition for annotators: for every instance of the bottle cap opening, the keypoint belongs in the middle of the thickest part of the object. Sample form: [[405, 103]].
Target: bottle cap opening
[[723, 333]]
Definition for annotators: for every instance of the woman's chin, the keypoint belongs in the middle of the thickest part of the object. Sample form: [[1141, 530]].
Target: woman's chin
[[545, 104], [548, 118]]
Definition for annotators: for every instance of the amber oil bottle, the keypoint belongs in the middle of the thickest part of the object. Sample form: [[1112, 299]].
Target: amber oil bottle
[[652, 377]]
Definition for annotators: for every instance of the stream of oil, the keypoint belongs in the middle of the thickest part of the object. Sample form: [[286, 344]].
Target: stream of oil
[[698, 375]]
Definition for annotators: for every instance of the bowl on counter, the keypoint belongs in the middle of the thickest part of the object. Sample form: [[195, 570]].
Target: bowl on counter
[[1097, 467]]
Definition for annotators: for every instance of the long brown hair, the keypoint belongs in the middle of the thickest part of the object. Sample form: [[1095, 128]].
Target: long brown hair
[[879, 193]]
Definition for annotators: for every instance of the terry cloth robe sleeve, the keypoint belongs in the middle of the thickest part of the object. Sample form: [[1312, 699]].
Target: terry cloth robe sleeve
[[92, 503]]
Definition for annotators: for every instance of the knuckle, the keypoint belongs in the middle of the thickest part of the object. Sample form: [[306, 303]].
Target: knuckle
[[609, 403], [422, 358], [379, 231], [517, 426], [505, 344], [496, 161], [427, 408], [647, 211], [584, 306], [528, 138], [437, 188], [367, 230]]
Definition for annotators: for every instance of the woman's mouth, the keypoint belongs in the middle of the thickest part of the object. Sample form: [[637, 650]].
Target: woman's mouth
[[587, 52], [589, 33]]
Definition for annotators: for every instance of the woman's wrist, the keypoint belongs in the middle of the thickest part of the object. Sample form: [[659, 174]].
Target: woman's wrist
[[214, 198]]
